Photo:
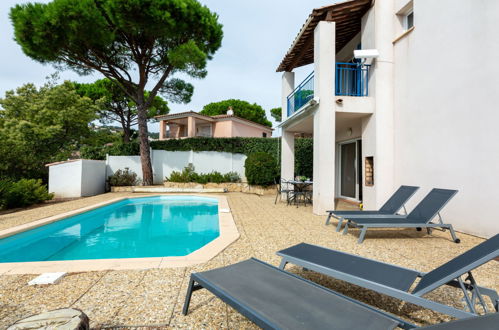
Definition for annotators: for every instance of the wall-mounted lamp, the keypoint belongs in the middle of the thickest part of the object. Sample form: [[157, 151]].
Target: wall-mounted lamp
[[339, 101], [349, 131]]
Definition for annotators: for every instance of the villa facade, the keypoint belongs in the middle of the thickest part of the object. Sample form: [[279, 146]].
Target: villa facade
[[193, 124], [416, 107]]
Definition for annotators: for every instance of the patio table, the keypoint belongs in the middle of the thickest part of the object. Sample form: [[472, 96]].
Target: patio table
[[300, 190]]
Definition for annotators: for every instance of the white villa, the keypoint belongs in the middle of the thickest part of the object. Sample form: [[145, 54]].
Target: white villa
[[417, 107]]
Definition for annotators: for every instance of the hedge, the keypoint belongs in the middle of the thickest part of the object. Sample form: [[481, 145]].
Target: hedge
[[247, 146], [260, 169]]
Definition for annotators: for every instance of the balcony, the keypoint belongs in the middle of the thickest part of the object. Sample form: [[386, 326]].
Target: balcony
[[351, 79]]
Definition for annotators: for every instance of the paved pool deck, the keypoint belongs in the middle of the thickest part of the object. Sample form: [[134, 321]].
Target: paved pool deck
[[143, 298]]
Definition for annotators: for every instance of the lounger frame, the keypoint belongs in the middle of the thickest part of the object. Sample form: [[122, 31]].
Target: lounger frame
[[331, 213], [197, 282], [429, 225], [468, 286]]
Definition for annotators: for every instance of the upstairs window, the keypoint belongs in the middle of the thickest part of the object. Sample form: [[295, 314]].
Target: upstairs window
[[409, 20]]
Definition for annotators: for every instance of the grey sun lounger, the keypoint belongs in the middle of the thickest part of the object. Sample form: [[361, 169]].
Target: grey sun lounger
[[391, 207], [275, 299], [485, 322], [420, 217], [397, 281]]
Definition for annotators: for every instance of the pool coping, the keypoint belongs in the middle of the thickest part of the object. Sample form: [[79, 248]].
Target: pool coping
[[228, 235]]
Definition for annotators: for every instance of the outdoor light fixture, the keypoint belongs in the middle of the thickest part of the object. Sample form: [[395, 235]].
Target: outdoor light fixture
[[366, 53]]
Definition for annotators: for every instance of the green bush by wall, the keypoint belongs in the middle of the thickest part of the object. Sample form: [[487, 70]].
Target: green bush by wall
[[22, 193], [188, 174], [261, 169]]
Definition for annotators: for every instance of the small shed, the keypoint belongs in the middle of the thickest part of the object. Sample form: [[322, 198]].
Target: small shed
[[77, 178]]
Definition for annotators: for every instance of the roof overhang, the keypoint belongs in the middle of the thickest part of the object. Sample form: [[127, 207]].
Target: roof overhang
[[347, 15], [181, 115]]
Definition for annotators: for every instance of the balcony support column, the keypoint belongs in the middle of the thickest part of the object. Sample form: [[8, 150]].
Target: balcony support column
[[287, 155], [288, 85], [324, 117]]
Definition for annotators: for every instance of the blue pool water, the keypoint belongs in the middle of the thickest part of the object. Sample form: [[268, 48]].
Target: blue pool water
[[156, 226]]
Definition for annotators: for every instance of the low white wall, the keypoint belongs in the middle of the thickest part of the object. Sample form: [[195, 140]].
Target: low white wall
[[78, 178], [165, 162], [65, 179]]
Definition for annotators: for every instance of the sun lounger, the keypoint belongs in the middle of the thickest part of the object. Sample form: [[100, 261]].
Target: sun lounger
[[391, 207], [420, 217], [275, 299], [485, 322], [397, 281]]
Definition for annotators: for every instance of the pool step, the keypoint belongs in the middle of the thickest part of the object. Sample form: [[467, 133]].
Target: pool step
[[47, 278]]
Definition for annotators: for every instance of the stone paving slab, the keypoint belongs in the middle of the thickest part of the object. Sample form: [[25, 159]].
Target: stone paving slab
[[153, 298]]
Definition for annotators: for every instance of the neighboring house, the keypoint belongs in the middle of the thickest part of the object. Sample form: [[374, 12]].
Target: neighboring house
[[423, 112], [192, 124]]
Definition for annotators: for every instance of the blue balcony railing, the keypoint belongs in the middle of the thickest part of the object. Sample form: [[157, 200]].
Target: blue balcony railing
[[301, 95], [351, 79]]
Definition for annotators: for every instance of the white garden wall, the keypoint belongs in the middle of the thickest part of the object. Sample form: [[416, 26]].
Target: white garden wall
[[165, 162], [82, 177]]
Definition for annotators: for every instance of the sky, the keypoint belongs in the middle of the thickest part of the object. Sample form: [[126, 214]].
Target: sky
[[257, 35]]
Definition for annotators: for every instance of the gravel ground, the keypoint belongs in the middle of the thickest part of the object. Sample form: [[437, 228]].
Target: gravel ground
[[154, 297]]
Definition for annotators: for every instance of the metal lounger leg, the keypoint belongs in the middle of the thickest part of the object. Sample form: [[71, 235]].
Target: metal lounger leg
[[453, 234], [345, 229], [283, 264], [328, 218], [362, 235], [192, 287], [340, 222]]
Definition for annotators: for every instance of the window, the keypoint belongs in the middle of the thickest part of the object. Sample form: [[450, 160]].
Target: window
[[409, 20], [264, 134]]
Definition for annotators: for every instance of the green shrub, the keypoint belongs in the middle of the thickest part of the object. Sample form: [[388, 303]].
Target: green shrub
[[216, 177], [261, 169], [122, 178], [232, 177], [188, 174], [23, 193]]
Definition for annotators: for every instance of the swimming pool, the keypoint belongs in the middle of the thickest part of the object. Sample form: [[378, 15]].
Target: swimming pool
[[158, 226]]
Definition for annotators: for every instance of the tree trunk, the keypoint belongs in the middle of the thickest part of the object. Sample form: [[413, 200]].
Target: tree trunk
[[126, 132], [145, 152]]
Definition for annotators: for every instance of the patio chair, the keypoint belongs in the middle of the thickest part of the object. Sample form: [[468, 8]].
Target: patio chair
[[396, 281], [391, 207], [282, 188], [275, 299], [420, 217]]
